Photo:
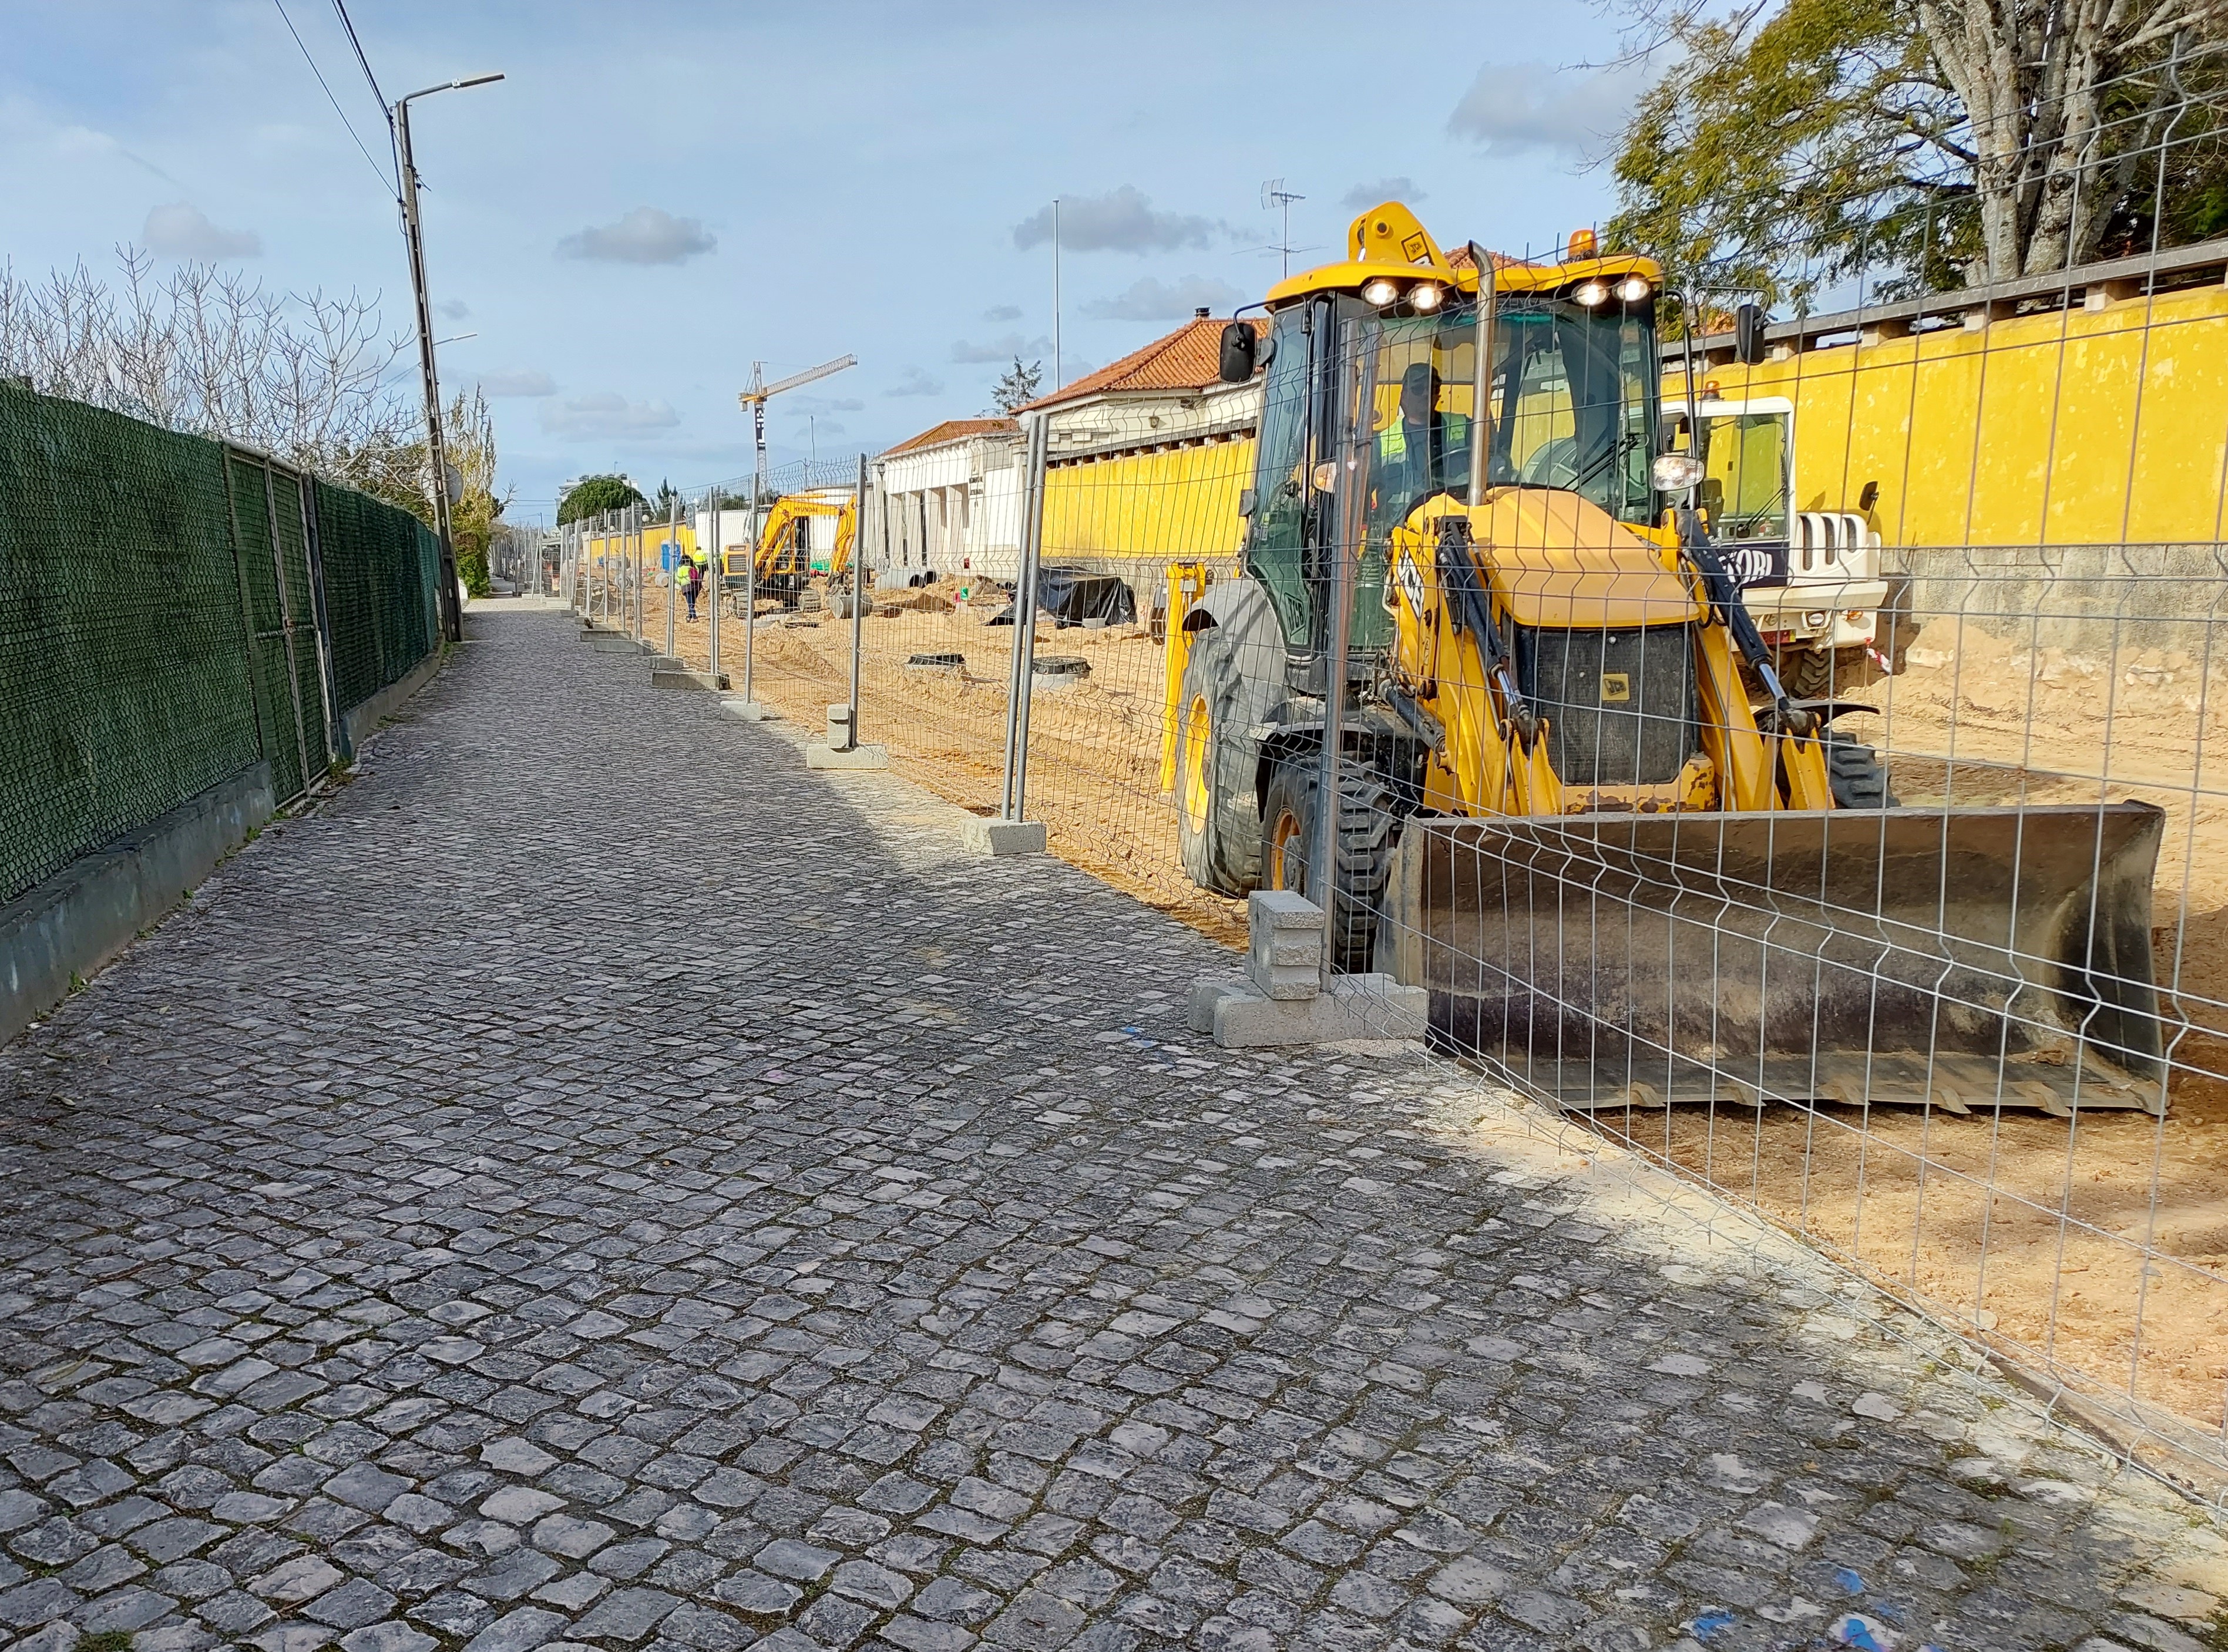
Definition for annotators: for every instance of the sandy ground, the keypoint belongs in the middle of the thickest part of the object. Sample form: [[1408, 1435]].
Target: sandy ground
[[2100, 1242]]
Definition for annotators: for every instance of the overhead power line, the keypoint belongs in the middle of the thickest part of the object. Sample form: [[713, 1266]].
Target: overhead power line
[[364, 62], [387, 181]]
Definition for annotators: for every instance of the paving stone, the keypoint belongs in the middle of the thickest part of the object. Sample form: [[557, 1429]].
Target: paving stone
[[626, 1615], [517, 1632], [849, 1247], [394, 1636]]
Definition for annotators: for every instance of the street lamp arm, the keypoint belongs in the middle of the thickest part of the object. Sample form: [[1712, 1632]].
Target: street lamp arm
[[447, 85]]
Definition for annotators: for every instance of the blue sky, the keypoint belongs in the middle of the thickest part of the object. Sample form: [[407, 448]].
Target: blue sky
[[660, 194]]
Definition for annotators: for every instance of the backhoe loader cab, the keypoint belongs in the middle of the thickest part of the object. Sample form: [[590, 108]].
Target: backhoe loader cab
[[1570, 795]]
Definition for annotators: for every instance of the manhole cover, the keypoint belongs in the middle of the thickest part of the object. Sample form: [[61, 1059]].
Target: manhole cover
[[1062, 665]]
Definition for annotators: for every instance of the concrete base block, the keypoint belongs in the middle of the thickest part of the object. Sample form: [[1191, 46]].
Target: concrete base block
[[612, 643], [1239, 1015], [1000, 838], [667, 663], [859, 757], [750, 711], [702, 680]]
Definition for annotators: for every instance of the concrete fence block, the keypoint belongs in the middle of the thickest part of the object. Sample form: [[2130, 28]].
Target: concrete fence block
[[1001, 838], [1286, 936]]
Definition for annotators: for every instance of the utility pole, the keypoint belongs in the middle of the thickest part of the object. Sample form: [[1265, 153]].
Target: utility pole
[[452, 619]]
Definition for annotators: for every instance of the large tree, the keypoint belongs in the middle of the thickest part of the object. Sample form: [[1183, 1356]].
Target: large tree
[[594, 493], [1791, 145]]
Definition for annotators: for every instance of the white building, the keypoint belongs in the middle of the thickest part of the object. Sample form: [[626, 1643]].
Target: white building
[[954, 496], [1166, 396]]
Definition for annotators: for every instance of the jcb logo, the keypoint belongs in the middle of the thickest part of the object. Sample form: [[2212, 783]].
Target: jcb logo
[[1616, 687]]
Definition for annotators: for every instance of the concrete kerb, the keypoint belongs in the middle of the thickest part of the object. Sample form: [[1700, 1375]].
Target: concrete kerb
[[60, 932], [1280, 999]]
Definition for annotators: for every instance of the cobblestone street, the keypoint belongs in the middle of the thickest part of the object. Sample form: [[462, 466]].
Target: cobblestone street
[[591, 1180]]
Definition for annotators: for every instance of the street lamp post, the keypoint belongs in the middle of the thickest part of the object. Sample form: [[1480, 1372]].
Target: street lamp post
[[452, 619]]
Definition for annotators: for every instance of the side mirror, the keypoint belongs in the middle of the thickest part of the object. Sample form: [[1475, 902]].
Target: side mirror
[[1248, 501], [1240, 352], [1748, 334]]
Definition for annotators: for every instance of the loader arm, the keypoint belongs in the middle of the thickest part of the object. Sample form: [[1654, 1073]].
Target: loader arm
[[1450, 659]]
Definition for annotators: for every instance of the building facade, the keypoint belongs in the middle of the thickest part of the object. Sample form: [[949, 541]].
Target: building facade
[[953, 496]]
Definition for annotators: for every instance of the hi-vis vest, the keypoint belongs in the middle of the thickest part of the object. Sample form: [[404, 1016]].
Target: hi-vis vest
[[1393, 440]]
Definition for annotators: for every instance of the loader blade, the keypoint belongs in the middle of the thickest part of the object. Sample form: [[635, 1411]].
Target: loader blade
[[1965, 959]]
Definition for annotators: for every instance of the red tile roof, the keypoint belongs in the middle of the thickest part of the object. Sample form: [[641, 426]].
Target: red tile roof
[[952, 430], [1189, 358]]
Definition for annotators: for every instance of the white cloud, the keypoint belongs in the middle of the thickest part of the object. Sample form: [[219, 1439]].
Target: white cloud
[[914, 382], [526, 382], [646, 235], [823, 405], [607, 415], [1147, 299], [1002, 312], [1003, 349], [181, 231], [1121, 222], [1512, 108], [1363, 196]]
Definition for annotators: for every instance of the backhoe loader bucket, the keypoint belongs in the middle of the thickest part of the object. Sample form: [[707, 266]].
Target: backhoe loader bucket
[[1965, 959]]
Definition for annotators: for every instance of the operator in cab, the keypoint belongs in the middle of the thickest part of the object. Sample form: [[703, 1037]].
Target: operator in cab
[[1421, 449]]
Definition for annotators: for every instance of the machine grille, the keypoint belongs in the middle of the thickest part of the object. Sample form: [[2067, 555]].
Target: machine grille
[[1620, 704]]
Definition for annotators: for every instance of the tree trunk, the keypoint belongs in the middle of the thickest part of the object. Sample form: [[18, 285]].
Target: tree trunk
[[2030, 74]]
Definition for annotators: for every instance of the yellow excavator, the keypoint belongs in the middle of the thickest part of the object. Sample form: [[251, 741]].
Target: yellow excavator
[[1479, 609], [785, 548]]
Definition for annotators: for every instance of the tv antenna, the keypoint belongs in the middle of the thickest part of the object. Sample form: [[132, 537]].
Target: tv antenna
[[1274, 197]]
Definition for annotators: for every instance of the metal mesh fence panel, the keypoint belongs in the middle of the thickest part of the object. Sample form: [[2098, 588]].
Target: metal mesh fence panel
[[1787, 754], [127, 678], [159, 623], [380, 565]]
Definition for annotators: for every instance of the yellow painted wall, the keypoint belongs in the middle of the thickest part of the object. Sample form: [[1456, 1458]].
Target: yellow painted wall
[[621, 547], [1156, 507], [2072, 427]]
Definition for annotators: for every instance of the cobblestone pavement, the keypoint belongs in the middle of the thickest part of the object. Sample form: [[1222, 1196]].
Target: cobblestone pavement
[[592, 1182]]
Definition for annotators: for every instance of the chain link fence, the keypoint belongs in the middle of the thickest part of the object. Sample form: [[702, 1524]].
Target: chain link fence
[[172, 611]]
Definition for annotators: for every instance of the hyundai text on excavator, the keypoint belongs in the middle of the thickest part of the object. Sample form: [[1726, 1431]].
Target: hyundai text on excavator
[[1572, 797]]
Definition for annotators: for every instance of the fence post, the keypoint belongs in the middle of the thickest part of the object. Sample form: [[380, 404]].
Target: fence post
[[858, 595], [634, 540], [1021, 675], [750, 596], [712, 533], [1358, 377], [667, 559]]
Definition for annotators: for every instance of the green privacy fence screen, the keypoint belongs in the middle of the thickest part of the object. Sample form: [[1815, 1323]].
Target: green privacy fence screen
[[173, 611]]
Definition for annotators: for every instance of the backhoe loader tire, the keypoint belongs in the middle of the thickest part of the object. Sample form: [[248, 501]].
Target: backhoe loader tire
[[1234, 680], [1854, 772], [1369, 829]]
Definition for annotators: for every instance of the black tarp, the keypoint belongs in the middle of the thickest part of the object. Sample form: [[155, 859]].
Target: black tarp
[[1070, 596]]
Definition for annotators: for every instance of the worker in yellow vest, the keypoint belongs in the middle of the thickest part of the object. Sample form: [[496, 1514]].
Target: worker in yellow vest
[[1421, 451]]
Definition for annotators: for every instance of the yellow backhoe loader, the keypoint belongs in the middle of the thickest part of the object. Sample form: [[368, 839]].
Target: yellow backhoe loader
[[1479, 608], [785, 549]]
